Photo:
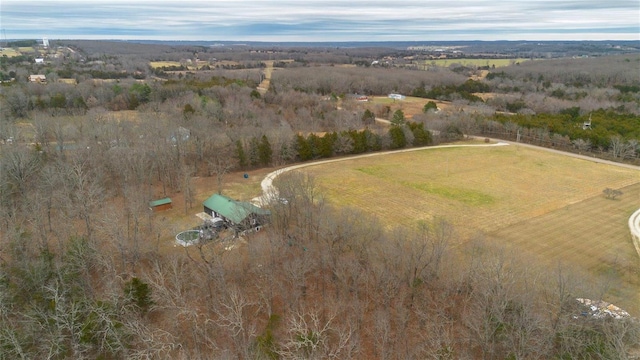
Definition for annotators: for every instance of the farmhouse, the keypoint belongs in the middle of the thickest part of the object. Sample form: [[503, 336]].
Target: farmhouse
[[238, 214]]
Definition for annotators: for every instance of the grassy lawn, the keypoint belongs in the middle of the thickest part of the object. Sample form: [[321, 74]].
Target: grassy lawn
[[544, 205]]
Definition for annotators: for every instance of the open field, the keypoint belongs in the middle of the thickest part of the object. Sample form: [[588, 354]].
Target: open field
[[158, 64], [410, 105], [475, 62], [191, 66], [26, 49], [68, 81], [9, 52], [546, 205]]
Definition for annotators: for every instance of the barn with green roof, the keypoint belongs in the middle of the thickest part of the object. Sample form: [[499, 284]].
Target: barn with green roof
[[239, 214]]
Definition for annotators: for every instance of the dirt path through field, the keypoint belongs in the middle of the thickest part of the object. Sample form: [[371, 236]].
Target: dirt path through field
[[264, 85]]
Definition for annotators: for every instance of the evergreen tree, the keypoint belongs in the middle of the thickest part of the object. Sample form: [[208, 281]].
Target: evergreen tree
[[398, 118], [368, 117], [242, 156], [398, 140], [373, 140], [359, 141], [326, 145], [265, 152], [254, 152], [429, 106], [304, 149], [421, 137]]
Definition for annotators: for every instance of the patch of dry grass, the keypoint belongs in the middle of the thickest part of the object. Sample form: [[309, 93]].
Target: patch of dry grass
[[410, 105], [159, 64], [475, 62], [9, 52]]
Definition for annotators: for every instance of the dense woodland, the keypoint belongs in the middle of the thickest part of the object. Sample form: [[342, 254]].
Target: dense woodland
[[85, 271]]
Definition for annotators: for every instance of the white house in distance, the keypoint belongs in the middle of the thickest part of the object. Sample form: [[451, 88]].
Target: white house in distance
[[396, 96], [37, 78], [39, 61]]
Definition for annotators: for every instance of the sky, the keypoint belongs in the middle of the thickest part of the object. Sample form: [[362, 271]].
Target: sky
[[321, 21]]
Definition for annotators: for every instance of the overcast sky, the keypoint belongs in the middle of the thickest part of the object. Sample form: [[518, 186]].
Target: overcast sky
[[299, 20]]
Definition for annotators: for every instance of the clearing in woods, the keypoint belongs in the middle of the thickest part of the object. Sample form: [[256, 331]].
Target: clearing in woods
[[410, 106], [541, 204], [475, 62]]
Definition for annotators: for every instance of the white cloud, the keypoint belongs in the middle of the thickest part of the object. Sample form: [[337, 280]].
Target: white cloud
[[283, 20]]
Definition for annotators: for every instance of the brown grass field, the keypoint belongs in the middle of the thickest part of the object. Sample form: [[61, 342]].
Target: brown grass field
[[475, 62], [191, 66], [9, 52], [546, 206], [410, 105]]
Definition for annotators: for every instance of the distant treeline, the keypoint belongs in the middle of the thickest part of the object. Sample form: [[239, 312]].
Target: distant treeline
[[22, 43]]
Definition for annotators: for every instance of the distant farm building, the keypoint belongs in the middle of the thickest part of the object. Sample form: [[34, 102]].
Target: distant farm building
[[37, 78], [160, 204], [238, 214], [359, 97], [39, 61], [396, 96]]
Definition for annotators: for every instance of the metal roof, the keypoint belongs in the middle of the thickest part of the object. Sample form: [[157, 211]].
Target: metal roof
[[160, 202], [235, 211]]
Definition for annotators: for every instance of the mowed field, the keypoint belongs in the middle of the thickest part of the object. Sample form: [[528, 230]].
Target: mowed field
[[546, 206]]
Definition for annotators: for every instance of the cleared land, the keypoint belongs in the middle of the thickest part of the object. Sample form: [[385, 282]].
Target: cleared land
[[9, 52], [191, 65], [544, 205], [158, 64], [475, 62], [410, 105]]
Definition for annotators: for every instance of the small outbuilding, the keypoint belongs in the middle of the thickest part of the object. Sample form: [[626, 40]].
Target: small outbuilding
[[160, 205]]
